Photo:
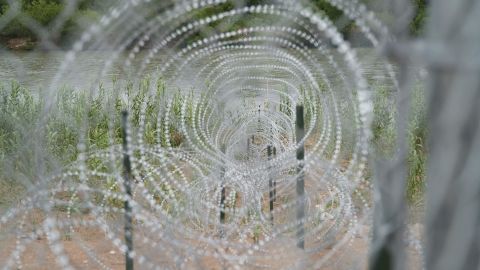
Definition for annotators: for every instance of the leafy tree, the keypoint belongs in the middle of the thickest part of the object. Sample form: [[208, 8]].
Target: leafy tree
[[45, 12]]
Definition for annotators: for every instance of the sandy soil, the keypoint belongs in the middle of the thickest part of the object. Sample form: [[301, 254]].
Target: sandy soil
[[351, 255]]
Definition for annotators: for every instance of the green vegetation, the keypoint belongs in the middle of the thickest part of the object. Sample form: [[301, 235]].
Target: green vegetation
[[20, 114], [46, 14], [40, 10], [417, 157], [21, 117], [384, 136], [418, 22], [348, 28]]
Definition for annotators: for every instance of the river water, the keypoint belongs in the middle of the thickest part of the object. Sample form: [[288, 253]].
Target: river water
[[36, 70]]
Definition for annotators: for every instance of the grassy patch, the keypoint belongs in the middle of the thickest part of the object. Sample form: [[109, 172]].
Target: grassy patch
[[28, 135], [384, 136]]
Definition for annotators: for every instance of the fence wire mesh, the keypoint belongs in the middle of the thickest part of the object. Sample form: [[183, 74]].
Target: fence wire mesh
[[239, 134]]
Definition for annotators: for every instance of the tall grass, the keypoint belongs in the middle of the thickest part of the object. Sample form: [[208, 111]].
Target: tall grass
[[20, 114], [384, 136], [26, 130], [417, 158]]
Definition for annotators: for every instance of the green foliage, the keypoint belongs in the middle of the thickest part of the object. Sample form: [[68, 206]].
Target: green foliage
[[332, 12], [384, 137], [18, 113], [285, 104], [418, 23], [45, 12], [378, 6], [417, 157], [42, 11], [383, 125], [76, 114]]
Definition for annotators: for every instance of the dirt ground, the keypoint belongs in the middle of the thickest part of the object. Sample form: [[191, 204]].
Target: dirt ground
[[280, 253]]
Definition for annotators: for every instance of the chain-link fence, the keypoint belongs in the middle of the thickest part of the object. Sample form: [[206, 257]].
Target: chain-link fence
[[223, 134]]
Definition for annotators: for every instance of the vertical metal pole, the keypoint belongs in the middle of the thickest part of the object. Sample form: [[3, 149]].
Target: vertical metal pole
[[452, 238], [248, 148], [222, 194], [128, 191], [252, 143], [300, 133], [258, 126], [274, 181], [270, 184]]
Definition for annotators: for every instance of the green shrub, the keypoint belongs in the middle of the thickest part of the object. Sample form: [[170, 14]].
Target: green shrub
[[42, 11]]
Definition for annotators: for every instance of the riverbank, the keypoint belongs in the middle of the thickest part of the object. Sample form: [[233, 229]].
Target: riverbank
[[18, 44]]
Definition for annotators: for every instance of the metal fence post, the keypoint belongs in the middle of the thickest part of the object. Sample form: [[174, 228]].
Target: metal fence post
[[300, 133], [128, 191], [270, 184], [222, 194], [274, 181]]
